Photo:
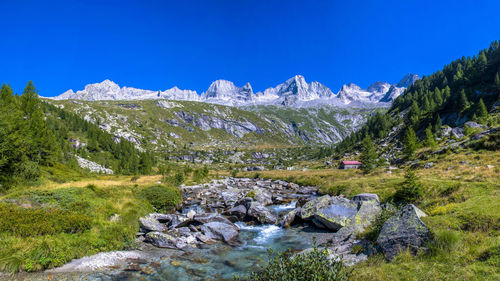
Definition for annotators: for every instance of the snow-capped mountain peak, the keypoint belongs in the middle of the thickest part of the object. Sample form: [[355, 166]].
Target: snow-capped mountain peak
[[295, 92]]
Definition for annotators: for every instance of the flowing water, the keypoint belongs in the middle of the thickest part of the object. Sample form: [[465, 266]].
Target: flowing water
[[220, 261]]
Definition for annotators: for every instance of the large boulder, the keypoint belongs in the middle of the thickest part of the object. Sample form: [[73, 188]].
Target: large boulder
[[366, 215], [163, 240], [210, 217], [404, 230], [337, 215], [365, 197], [260, 213], [220, 231], [151, 223], [263, 196], [239, 212], [312, 206]]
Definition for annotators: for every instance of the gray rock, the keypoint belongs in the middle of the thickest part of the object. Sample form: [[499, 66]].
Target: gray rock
[[290, 218], [310, 207], [151, 223], [239, 211], [162, 240], [428, 165], [337, 215], [264, 197], [210, 217], [365, 197], [261, 214], [457, 132], [473, 125], [403, 231], [220, 231]]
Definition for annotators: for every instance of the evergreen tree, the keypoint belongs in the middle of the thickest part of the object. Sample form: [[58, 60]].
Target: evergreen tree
[[497, 81], [414, 113], [7, 95], [437, 123], [410, 143], [462, 101], [481, 111], [29, 100], [368, 155], [429, 141]]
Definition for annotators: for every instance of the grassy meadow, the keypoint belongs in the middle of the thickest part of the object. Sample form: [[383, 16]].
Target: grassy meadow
[[461, 198]]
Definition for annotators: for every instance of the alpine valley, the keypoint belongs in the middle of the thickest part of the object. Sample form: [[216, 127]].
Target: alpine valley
[[289, 114]]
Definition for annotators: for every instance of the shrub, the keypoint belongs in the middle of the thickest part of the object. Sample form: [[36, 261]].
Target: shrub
[[33, 222], [491, 256], [374, 229], [251, 194], [411, 190], [313, 265], [162, 198]]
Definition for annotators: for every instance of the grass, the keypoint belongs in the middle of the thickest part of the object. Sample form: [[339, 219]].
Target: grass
[[462, 199], [50, 223]]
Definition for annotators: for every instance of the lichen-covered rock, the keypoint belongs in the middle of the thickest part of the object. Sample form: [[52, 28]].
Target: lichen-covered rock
[[337, 215], [151, 223], [366, 215], [264, 197], [220, 231], [404, 231], [163, 240], [310, 208]]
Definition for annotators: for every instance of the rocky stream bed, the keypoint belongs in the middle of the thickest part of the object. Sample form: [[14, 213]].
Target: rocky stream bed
[[226, 227]]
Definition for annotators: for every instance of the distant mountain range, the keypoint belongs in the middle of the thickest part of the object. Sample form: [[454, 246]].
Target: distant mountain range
[[294, 92]]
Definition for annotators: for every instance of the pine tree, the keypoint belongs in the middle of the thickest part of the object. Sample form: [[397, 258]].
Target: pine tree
[[462, 102], [368, 155], [414, 113], [29, 99], [481, 111], [497, 81], [6, 94], [410, 143], [429, 141], [437, 124]]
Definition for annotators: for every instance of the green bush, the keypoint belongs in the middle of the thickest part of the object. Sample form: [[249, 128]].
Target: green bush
[[374, 229], [162, 198], [26, 222], [411, 190], [313, 265], [491, 256]]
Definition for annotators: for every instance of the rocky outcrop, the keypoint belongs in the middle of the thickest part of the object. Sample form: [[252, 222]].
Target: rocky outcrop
[[162, 240], [404, 230], [337, 214], [227, 232], [92, 166]]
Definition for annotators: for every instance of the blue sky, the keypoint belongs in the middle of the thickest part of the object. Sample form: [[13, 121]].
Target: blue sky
[[159, 44]]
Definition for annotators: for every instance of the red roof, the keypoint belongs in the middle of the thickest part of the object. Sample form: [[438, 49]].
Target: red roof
[[351, 162]]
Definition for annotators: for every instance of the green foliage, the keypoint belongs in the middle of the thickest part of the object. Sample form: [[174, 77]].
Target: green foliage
[[313, 265], [411, 190], [429, 140], [26, 222], [374, 229], [410, 143], [368, 155], [162, 198], [251, 194], [481, 111]]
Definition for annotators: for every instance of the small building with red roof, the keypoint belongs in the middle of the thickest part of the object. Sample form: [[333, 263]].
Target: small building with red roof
[[346, 164]]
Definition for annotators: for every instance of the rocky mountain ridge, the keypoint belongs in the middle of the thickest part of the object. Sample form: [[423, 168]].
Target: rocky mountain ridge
[[294, 92]]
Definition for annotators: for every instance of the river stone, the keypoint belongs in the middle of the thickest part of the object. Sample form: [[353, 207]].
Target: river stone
[[264, 197], [290, 218], [210, 217], [310, 207], [403, 231], [366, 197], [261, 214], [337, 215], [150, 223], [161, 240], [220, 231], [239, 211]]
